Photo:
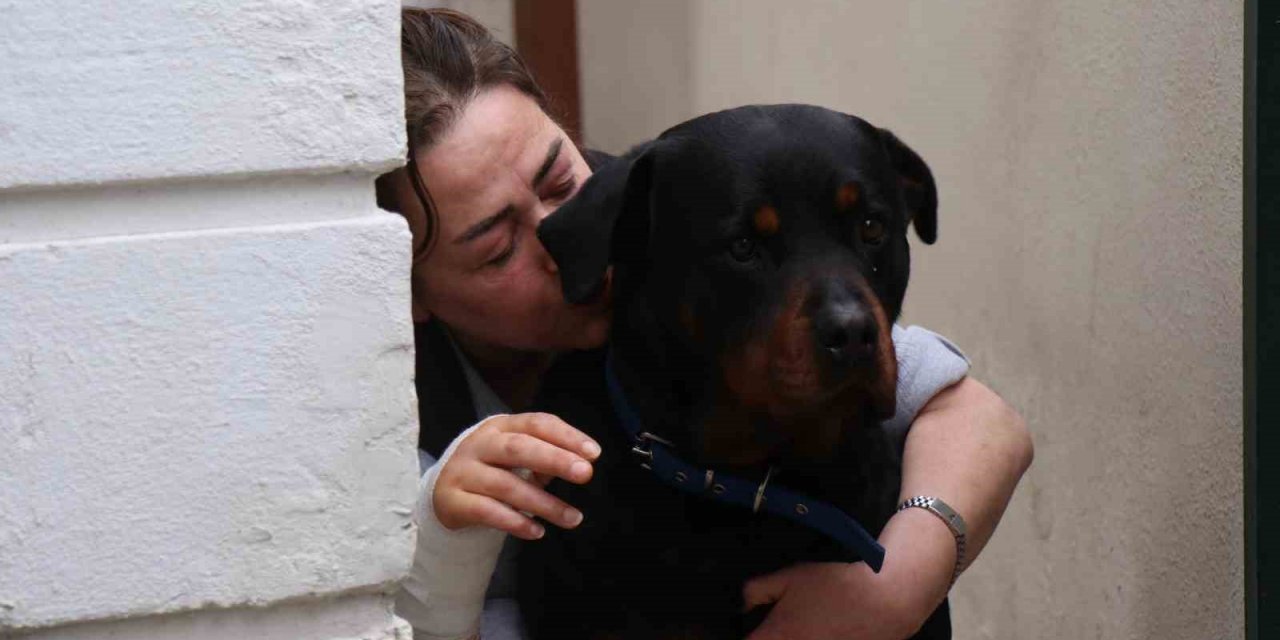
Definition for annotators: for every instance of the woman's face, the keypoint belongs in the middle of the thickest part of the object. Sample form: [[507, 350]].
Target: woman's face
[[496, 173]]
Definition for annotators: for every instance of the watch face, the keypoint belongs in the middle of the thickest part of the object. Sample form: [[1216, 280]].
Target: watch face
[[941, 509], [953, 519]]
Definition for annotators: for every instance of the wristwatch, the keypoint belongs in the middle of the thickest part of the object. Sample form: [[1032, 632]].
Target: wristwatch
[[954, 522]]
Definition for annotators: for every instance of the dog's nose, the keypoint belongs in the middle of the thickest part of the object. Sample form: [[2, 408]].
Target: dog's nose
[[846, 331]]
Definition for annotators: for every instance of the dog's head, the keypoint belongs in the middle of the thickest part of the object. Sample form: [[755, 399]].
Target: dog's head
[[759, 258]]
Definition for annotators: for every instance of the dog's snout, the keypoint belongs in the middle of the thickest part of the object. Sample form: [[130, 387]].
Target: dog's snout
[[845, 331], [843, 325]]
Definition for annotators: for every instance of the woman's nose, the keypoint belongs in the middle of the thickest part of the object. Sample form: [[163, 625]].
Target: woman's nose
[[541, 211], [548, 264]]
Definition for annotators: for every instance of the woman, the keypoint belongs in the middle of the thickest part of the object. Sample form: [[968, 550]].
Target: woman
[[486, 165]]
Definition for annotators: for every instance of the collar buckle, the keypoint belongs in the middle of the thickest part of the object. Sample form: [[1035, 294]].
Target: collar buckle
[[643, 447], [760, 497]]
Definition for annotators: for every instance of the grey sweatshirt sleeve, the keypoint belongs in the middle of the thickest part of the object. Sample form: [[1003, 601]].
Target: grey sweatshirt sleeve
[[927, 364]]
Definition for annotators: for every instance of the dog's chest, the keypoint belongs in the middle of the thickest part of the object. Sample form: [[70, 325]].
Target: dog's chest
[[647, 552]]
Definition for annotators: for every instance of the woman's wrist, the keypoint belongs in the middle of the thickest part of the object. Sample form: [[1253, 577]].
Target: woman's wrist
[[921, 552]]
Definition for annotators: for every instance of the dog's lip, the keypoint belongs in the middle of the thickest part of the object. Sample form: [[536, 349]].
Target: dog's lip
[[810, 382], [797, 384], [603, 294], [811, 394]]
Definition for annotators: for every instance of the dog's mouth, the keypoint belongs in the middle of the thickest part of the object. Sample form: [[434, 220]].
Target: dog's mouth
[[806, 363], [808, 379], [795, 413]]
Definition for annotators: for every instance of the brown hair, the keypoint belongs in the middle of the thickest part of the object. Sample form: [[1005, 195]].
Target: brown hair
[[447, 58]]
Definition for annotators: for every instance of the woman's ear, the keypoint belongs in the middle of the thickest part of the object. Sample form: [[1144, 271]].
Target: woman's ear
[[605, 223]]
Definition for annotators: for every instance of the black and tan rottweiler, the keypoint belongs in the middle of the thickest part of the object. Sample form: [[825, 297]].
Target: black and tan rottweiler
[[759, 258]]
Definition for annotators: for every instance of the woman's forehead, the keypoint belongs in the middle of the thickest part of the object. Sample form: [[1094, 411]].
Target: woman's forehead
[[488, 157]]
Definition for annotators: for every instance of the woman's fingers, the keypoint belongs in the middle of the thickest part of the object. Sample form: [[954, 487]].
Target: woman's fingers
[[482, 464], [524, 496], [517, 450], [549, 428], [476, 509]]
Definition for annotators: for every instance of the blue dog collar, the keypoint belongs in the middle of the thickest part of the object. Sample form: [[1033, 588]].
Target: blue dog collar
[[658, 458]]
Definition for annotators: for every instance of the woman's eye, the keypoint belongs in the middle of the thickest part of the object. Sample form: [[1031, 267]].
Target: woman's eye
[[562, 191], [872, 232], [743, 249], [502, 258]]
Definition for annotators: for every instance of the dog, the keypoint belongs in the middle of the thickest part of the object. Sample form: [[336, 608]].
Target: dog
[[757, 259]]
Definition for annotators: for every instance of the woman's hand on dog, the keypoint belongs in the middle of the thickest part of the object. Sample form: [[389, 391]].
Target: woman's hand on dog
[[479, 485], [821, 600]]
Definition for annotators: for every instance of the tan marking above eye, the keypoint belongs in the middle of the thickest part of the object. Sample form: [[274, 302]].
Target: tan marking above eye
[[766, 221], [846, 196]]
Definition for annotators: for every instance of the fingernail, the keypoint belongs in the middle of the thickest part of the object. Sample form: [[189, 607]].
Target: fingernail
[[591, 449], [580, 469], [572, 518], [538, 532]]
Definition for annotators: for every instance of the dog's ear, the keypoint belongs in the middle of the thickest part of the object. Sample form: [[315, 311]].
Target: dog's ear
[[919, 192], [606, 222]]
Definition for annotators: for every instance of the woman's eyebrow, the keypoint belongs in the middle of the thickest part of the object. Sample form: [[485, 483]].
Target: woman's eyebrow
[[553, 152], [480, 228]]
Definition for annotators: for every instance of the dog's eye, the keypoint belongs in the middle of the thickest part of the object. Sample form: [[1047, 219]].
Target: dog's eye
[[872, 232], [743, 249]]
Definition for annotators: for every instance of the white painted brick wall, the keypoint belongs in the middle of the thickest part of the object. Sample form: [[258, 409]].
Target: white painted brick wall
[[206, 357], [137, 89]]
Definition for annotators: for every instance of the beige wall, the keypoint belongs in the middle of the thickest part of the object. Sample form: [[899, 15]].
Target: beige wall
[[498, 16], [1089, 161], [635, 59]]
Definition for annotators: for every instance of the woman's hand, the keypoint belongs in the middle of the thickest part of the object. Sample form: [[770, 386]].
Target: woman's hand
[[967, 445], [479, 485], [839, 600]]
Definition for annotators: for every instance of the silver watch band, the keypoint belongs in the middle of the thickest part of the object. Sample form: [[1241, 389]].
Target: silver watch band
[[948, 515]]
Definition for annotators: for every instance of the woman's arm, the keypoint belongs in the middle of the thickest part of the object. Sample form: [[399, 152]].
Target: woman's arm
[[967, 447], [444, 594], [470, 499]]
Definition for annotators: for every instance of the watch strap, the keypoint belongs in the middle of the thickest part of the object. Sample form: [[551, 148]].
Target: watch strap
[[949, 516]]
